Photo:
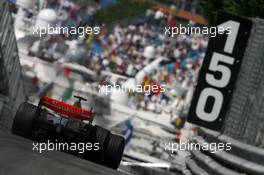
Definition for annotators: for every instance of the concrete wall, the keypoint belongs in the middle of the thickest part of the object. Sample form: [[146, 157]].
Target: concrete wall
[[11, 83]]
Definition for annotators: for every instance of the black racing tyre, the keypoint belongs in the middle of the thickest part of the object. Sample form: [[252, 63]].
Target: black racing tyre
[[114, 151], [102, 137], [90, 132], [23, 121]]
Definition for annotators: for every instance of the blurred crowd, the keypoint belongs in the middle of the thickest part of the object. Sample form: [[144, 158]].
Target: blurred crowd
[[128, 49], [187, 5]]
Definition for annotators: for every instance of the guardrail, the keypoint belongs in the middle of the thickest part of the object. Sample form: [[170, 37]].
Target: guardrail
[[241, 159]]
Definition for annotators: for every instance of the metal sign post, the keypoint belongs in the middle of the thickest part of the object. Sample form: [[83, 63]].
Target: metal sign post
[[219, 72]]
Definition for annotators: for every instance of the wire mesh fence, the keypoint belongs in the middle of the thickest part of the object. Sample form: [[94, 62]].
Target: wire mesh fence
[[245, 118]]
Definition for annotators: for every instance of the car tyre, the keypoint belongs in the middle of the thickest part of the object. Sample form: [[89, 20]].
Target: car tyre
[[114, 151], [102, 137]]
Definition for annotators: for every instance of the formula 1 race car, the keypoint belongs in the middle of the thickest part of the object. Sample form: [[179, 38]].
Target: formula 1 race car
[[56, 121]]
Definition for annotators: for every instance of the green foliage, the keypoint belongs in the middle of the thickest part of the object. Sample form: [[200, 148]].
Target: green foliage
[[247, 8], [123, 9], [210, 8], [84, 2]]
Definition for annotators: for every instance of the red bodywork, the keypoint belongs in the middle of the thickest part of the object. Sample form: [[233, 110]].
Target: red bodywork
[[66, 109]]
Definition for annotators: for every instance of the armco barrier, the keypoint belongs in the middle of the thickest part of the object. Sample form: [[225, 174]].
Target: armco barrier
[[241, 159]]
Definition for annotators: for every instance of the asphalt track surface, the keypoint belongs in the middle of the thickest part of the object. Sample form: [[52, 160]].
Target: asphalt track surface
[[18, 158]]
